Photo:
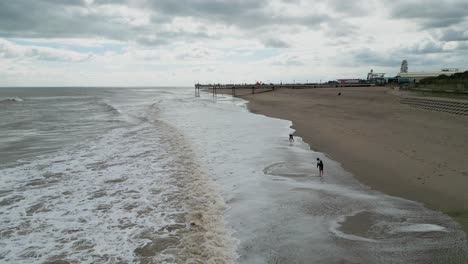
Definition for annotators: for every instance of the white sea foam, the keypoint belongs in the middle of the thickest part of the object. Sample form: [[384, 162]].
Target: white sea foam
[[61, 97], [282, 211], [11, 99], [135, 194], [421, 228]]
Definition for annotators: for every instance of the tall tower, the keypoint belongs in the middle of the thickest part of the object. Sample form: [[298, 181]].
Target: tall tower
[[404, 66]]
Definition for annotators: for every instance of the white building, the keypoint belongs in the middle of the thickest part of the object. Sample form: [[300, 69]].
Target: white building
[[417, 76]]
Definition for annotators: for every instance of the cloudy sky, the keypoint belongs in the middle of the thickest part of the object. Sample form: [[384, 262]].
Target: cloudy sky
[[177, 42]]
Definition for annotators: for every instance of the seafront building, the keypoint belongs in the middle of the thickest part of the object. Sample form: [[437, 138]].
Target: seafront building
[[414, 77], [403, 79]]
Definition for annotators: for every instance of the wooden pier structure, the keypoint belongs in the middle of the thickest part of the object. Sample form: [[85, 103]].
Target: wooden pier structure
[[214, 88], [253, 88]]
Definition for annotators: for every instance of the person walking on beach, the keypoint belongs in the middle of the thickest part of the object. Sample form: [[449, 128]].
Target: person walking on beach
[[291, 138], [320, 166]]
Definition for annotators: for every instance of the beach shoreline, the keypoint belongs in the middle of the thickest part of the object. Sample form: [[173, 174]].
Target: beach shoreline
[[399, 150]]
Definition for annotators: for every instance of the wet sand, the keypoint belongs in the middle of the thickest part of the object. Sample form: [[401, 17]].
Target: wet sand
[[402, 151]]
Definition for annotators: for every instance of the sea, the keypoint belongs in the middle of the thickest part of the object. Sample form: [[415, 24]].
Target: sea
[[158, 175]]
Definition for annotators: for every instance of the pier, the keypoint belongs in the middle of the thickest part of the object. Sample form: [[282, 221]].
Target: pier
[[256, 88]]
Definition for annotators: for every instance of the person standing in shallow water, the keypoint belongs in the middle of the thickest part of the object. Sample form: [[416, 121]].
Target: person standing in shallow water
[[291, 138], [320, 166]]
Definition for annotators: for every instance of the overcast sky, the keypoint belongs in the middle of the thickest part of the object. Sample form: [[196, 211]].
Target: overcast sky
[[176, 42]]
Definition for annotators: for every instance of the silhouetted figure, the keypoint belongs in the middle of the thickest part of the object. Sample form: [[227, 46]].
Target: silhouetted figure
[[339, 93], [291, 138], [320, 166]]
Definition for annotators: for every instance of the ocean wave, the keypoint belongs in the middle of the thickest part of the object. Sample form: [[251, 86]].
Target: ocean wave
[[110, 108], [137, 194], [11, 100], [61, 97]]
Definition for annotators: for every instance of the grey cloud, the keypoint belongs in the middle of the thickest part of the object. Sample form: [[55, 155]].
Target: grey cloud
[[275, 43], [462, 46], [82, 19], [373, 58], [288, 61], [426, 47], [37, 19], [454, 35], [441, 22], [291, 1], [431, 13], [50, 56], [114, 2], [10, 51], [196, 54], [68, 2], [343, 34], [392, 58], [62, 19], [151, 41], [226, 8], [167, 37], [341, 29], [354, 8], [244, 14]]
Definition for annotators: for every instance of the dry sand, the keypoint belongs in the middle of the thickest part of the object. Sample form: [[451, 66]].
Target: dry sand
[[403, 151]]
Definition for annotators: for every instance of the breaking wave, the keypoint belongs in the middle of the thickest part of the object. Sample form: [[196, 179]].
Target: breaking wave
[[133, 195], [11, 100]]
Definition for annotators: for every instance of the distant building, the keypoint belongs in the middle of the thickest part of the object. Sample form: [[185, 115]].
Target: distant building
[[374, 75], [376, 78], [414, 77], [348, 81], [352, 82]]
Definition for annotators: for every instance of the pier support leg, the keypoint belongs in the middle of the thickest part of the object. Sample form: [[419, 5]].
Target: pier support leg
[[197, 90]]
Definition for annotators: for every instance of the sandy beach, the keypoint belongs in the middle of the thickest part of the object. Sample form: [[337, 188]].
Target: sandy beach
[[400, 150]]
